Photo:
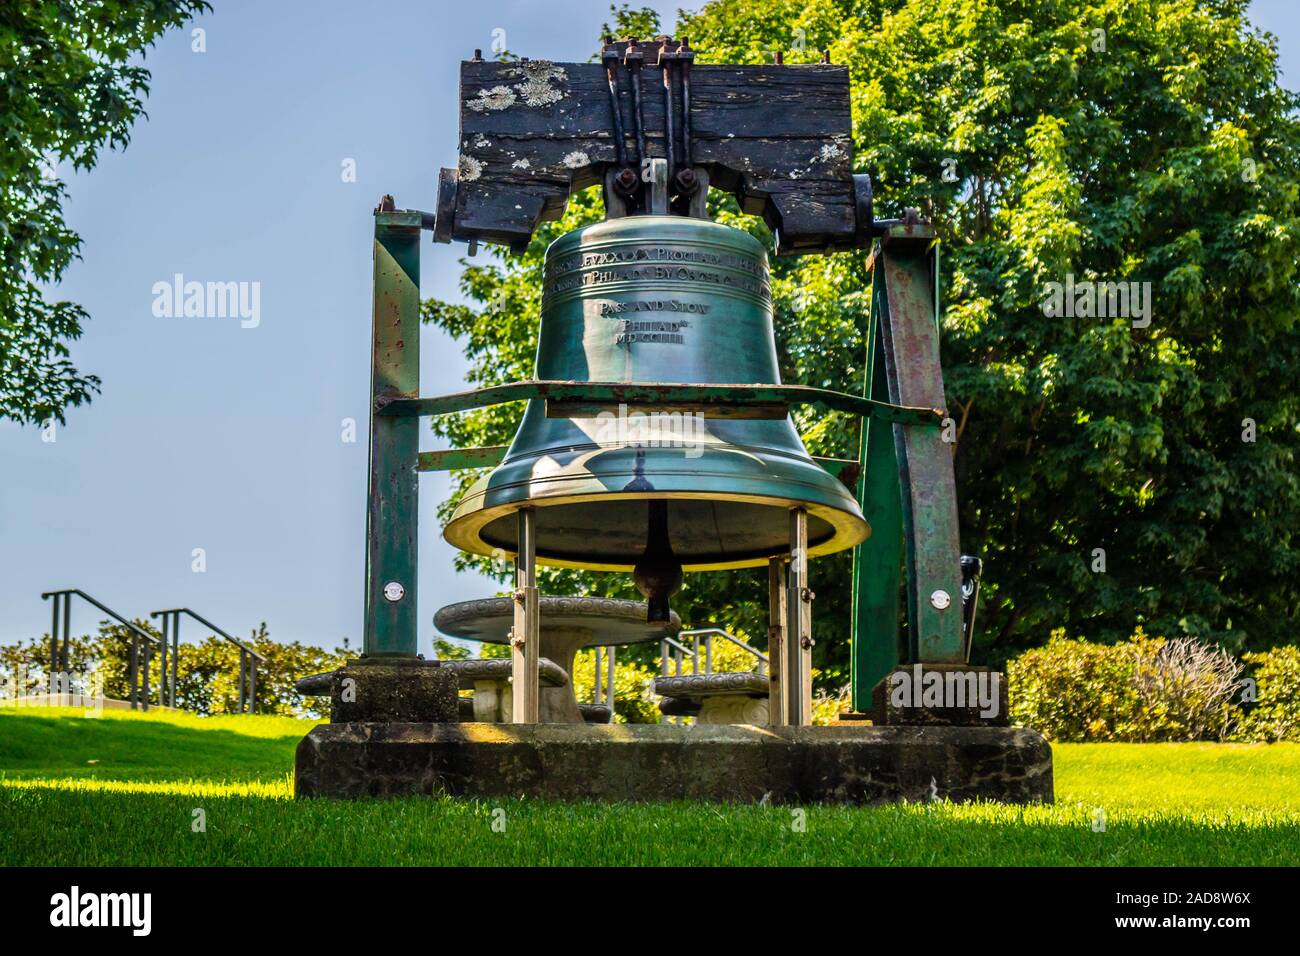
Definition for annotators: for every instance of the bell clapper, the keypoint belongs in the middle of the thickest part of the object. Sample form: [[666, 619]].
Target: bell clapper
[[658, 575]]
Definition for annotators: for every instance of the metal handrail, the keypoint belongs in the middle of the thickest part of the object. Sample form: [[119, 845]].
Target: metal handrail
[[59, 661], [668, 642], [708, 633], [248, 658], [693, 652]]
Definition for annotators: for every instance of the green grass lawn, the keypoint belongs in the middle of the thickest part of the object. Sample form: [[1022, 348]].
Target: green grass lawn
[[122, 789]]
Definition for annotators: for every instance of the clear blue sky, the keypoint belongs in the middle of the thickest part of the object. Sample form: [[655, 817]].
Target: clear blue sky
[[209, 435]]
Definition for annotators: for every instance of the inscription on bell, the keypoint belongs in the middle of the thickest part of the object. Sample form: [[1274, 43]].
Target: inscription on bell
[[714, 270], [588, 280], [654, 305], [587, 260], [645, 330]]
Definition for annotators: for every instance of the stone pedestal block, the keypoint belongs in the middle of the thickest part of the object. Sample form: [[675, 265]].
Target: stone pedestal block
[[950, 695], [845, 764], [378, 691]]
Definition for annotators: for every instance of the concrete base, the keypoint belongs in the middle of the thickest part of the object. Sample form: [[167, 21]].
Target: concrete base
[[957, 695], [844, 764], [399, 690]]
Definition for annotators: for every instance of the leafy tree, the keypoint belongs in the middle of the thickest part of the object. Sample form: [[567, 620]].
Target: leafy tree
[[69, 84], [1140, 141], [209, 676]]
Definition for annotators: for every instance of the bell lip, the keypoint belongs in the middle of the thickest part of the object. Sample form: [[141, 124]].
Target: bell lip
[[849, 530]]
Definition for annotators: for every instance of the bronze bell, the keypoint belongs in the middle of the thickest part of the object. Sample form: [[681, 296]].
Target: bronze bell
[[663, 299]]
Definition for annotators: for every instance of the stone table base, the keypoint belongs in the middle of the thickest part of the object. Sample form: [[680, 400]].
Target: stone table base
[[640, 762]]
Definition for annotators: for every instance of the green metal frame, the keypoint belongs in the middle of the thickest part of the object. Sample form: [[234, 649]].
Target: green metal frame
[[907, 489], [877, 561], [904, 479], [391, 626]]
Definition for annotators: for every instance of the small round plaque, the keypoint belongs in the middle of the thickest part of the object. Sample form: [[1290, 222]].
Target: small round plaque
[[393, 591]]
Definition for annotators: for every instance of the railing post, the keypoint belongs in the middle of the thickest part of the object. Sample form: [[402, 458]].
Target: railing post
[[144, 696], [162, 667], [67, 630], [135, 669], [54, 641], [176, 651], [242, 665], [252, 683]]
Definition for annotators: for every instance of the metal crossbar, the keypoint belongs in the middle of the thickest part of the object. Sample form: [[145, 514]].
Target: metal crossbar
[[567, 399]]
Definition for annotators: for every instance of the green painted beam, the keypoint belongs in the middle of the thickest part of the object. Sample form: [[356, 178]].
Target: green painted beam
[[877, 562], [925, 470], [391, 620], [456, 459], [724, 400]]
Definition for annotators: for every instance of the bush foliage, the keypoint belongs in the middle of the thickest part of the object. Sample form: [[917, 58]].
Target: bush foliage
[[1153, 689], [1275, 714], [207, 672]]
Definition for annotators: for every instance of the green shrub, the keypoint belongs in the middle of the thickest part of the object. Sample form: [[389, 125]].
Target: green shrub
[[1274, 714], [1144, 689], [1072, 690], [634, 698], [1187, 692]]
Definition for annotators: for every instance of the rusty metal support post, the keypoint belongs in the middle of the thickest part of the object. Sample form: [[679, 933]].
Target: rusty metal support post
[[393, 493], [928, 487], [776, 641], [798, 631], [526, 635]]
